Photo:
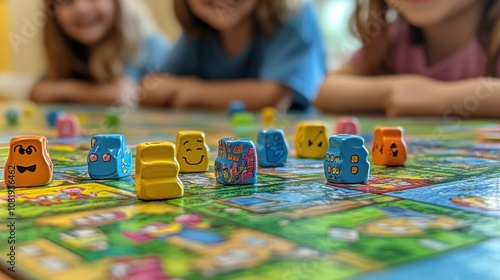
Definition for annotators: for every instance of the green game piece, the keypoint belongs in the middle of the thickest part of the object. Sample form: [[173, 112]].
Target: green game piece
[[244, 125], [12, 116], [112, 119]]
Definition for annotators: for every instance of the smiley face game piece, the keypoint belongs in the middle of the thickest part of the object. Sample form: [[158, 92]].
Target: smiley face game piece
[[310, 140], [192, 151], [236, 162], [29, 163], [389, 147], [272, 148], [157, 171], [346, 161], [109, 157]]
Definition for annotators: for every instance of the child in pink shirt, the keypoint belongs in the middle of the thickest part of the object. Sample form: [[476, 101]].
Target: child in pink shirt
[[436, 58]]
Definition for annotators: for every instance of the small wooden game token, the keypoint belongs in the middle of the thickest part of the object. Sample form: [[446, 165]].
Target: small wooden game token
[[109, 157], [268, 116], [112, 120], [157, 172], [236, 106], [272, 149], [28, 163], [310, 140], [236, 162], [12, 116], [192, 151], [389, 147], [29, 109], [348, 125], [68, 126], [52, 117], [346, 161]]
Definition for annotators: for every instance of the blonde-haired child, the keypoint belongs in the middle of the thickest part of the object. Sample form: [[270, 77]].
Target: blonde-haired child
[[264, 53], [97, 50], [421, 57]]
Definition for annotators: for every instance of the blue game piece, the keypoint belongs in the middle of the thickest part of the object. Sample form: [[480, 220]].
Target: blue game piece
[[109, 157], [236, 106], [272, 149], [346, 161], [236, 162], [12, 116], [52, 117]]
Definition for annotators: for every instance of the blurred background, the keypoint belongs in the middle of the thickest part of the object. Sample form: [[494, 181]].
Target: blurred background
[[21, 52]]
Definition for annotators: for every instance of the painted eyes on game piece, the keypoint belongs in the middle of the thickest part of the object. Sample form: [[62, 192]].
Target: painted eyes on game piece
[[29, 150], [95, 157]]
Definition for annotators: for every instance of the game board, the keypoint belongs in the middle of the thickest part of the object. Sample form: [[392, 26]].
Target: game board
[[438, 217]]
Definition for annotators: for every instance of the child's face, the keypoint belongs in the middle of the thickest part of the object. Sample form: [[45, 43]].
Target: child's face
[[85, 21], [223, 14], [426, 13]]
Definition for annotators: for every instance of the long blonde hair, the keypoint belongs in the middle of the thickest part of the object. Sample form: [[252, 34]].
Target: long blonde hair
[[67, 58], [268, 16], [377, 54]]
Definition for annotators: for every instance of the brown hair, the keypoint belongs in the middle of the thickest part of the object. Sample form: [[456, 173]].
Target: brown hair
[[67, 58], [374, 31], [268, 16]]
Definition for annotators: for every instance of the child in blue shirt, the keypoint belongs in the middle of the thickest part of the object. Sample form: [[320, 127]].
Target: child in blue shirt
[[264, 53], [97, 51]]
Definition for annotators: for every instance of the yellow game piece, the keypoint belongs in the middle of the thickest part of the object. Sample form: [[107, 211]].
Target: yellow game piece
[[29, 163], [310, 140], [192, 151], [157, 171], [29, 109], [268, 116]]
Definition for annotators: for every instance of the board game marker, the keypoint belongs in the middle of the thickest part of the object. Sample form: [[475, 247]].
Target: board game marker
[[52, 117], [29, 109], [236, 162], [28, 163], [109, 157], [243, 125], [389, 147], [236, 106], [12, 116], [192, 151], [111, 119], [346, 161], [268, 116], [272, 149], [157, 172], [68, 126], [310, 140], [348, 125]]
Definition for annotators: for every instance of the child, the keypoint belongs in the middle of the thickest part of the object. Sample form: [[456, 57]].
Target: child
[[437, 50], [97, 50], [264, 53]]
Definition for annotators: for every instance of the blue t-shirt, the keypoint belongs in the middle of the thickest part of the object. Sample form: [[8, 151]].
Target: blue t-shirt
[[152, 53], [293, 56]]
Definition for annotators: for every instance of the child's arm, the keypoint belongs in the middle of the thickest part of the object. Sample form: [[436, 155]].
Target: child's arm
[[188, 92], [347, 91], [47, 91]]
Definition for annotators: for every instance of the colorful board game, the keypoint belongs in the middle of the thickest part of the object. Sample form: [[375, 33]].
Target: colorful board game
[[438, 217]]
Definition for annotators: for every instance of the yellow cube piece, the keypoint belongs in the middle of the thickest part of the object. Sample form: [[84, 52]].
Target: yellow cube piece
[[310, 140], [268, 116], [192, 151], [157, 172]]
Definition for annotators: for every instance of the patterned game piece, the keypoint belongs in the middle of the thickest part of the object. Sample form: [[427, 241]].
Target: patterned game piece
[[236, 162], [52, 117], [346, 161], [157, 171], [109, 157], [192, 151], [68, 126], [268, 116], [12, 116], [389, 147], [111, 120], [272, 149], [310, 140], [348, 125], [236, 106], [29, 163]]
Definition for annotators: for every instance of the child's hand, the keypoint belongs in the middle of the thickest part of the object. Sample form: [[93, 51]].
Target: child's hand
[[413, 95], [158, 90], [189, 88]]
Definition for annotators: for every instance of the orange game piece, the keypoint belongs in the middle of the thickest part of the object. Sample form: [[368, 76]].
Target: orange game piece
[[29, 163], [389, 147]]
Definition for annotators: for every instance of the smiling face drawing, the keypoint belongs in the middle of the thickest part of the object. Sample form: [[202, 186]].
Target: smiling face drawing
[[29, 163], [192, 151]]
